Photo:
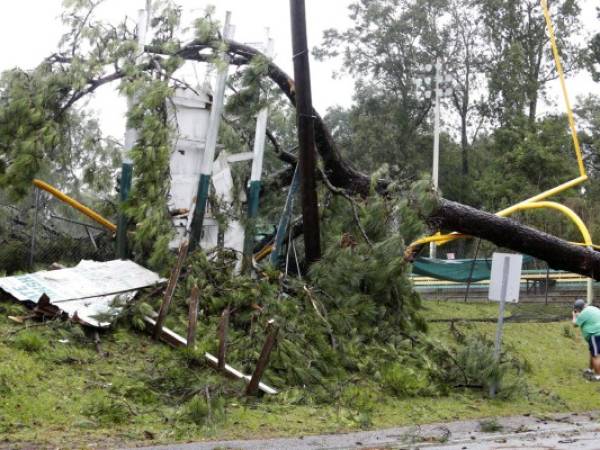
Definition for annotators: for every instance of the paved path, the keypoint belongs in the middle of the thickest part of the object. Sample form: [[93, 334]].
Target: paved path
[[559, 431]]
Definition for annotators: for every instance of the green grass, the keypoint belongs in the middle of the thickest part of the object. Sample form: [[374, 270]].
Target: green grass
[[64, 394]]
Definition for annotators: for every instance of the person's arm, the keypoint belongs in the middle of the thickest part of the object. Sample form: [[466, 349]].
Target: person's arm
[[580, 317]]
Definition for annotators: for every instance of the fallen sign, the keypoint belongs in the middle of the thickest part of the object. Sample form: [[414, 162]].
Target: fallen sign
[[86, 292]]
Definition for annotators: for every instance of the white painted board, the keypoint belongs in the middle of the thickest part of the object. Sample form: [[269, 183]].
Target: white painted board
[[505, 278], [87, 290]]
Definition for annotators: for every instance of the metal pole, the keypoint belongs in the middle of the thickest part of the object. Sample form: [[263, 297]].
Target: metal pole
[[131, 137], [284, 220], [436, 140], [34, 230], [471, 271], [498, 343], [211, 141], [122, 219], [306, 132], [547, 281]]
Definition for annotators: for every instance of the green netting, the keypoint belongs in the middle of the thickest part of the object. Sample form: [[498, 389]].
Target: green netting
[[456, 269]]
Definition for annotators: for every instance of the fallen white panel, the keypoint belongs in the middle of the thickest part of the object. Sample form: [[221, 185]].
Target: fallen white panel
[[86, 290], [97, 311]]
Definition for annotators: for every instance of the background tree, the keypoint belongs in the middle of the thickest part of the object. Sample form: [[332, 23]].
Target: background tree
[[520, 62]]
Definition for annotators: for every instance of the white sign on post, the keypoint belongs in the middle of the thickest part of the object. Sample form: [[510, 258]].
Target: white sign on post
[[505, 282], [505, 278]]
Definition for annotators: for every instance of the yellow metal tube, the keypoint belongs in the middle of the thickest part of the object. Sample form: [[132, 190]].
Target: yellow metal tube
[[563, 86], [587, 238], [544, 195], [75, 204]]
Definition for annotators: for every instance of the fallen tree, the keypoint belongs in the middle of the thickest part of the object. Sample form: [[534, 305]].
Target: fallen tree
[[508, 233], [337, 171], [449, 215]]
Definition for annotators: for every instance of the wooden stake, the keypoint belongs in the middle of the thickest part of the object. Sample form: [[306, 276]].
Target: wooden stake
[[177, 341], [263, 360], [192, 317], [223, 327], [173, 279]]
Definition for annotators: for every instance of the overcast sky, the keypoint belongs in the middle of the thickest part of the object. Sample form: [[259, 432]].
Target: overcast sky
[[30, 30]]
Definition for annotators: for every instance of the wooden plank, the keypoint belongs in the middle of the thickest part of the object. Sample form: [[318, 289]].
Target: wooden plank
[[193, 317], [173, 279], [175, 340], [263, 360]]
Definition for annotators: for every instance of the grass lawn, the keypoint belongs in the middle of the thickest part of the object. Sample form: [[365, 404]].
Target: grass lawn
[[56, 391]]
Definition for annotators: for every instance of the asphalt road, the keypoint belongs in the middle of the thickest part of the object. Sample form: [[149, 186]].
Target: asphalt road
[[559, 431]]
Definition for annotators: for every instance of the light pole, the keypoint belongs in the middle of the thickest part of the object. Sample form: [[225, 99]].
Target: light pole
[[441, 87]]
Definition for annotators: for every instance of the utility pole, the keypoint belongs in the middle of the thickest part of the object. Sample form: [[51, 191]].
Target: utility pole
[[306, 132], [211, 142]]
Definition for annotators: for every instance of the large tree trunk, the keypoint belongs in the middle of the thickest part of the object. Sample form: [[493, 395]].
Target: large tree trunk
[[508, 233], [449, 215]]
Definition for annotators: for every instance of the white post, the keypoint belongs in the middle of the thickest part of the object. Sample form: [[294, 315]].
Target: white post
[[131, 137], [498, 342], [131, 134], [436, 139], [217, 105], [261, 129], [211, 141], [257, 165]]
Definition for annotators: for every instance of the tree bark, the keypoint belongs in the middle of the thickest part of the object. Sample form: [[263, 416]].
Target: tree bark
[[510, 234]]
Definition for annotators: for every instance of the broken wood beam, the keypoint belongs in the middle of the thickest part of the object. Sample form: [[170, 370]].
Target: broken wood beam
[[263, 360], [193, 317], [170, 291], [175, 340], [222, 333]]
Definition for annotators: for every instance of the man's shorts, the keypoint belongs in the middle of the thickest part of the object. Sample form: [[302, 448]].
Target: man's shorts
[[594, 344]]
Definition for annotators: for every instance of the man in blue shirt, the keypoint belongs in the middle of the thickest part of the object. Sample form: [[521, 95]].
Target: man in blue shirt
[[587, 318]]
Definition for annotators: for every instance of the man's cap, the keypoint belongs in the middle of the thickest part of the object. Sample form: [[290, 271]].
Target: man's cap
[[579, 304]]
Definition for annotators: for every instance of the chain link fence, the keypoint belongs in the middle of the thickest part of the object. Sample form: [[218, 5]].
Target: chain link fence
[[41, 230]]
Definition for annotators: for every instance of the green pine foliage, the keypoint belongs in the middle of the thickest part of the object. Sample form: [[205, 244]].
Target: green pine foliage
[[147, 205]]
